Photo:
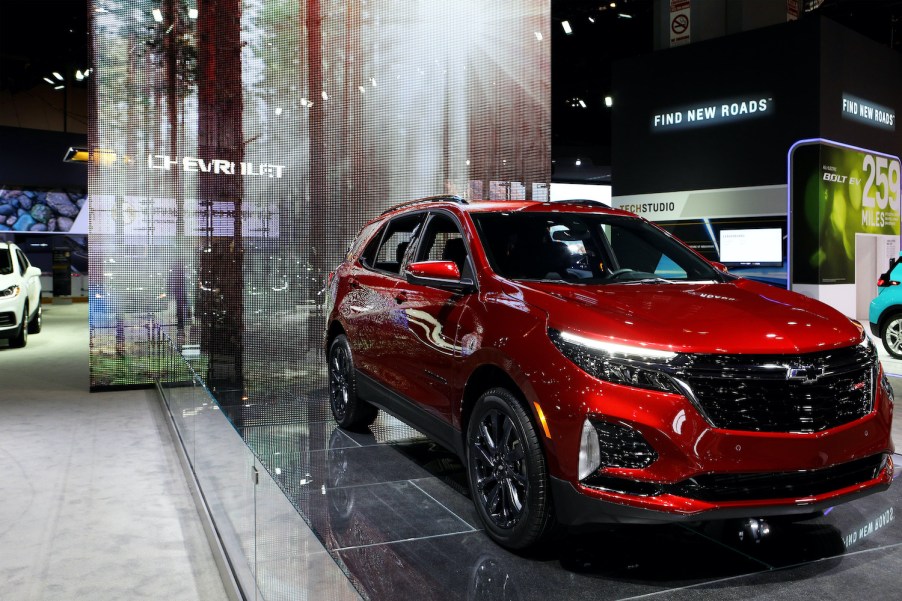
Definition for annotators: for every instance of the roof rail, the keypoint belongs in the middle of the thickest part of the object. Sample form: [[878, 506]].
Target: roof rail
[[588, 202], [440, 198]]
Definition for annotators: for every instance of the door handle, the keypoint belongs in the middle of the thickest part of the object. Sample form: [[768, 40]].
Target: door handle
[[401, 297]]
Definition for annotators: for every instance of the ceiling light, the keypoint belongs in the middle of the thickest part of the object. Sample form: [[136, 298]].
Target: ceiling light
[[625, 16], [608, 101], [157, 15], [613, 5], [58, 87], [57, 75], [50, 81], [591, 19], [79, 75], [582, 103], [192, 13], [567, 29], [579, 162]]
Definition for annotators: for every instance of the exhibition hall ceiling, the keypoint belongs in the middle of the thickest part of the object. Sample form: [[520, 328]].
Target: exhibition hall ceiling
[[39, 37]]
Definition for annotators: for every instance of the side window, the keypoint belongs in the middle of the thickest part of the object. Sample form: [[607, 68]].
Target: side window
[[6, 262], [386, 252], [23, 262], [442, 241], [361, 238]]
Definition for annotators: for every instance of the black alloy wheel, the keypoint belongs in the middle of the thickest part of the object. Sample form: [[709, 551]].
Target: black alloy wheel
[[507, 471], [349, 411]]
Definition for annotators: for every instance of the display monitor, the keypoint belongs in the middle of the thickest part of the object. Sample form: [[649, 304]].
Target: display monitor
[[762, 246]]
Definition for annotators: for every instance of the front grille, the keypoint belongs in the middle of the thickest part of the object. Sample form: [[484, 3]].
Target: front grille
[[783, 393], [7, 318], [781, 485]]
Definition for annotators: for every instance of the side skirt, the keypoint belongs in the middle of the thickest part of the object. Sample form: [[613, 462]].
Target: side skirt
[[410, 413]]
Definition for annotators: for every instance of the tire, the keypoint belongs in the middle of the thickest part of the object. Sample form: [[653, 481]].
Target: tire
[[507, 472], [349, 410], [891, 335], [37, 321], [21, 338]]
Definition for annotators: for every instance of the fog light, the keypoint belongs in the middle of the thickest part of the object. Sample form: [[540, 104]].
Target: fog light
[[589, 452]]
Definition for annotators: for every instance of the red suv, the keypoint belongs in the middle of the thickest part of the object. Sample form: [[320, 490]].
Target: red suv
[[588, 367]]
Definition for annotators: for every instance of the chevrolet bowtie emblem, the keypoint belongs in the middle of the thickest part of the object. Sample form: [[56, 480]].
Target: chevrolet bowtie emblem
[[804, 373]]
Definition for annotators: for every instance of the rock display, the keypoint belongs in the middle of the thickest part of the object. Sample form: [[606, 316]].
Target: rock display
[[39, 210]]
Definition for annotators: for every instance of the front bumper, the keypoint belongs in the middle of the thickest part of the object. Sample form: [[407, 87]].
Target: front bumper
[[578, 505], [10, 316]]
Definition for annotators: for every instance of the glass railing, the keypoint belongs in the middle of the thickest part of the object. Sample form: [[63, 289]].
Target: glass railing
[[271, 550]]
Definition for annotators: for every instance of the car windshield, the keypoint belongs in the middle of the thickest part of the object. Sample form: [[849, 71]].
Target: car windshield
[[6, 261], [586, 248]]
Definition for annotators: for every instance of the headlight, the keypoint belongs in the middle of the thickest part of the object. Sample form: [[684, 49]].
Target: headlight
[[11, 292], [617, 363]]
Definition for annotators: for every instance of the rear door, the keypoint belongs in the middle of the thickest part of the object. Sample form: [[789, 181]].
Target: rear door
[[370, 313]]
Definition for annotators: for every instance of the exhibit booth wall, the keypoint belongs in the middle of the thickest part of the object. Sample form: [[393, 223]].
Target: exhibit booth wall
[[702, 133], [244, 144]]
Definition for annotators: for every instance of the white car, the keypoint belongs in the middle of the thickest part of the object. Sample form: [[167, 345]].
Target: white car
[[20, 296]]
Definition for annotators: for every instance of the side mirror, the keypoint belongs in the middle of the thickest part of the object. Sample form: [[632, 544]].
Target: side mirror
[[438, 274], [720, 266], [33, 271]]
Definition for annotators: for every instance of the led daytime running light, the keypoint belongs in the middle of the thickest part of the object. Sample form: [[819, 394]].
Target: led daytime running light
[[612, 348], [617, 363]]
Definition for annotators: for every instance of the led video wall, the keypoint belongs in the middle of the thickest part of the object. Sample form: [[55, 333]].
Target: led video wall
[[245, 142]]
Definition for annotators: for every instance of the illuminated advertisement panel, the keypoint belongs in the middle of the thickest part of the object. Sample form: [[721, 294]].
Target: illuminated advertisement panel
[[845, 221]]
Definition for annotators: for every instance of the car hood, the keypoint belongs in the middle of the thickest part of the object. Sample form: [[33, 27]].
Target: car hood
[[7, 280], [736, 317]]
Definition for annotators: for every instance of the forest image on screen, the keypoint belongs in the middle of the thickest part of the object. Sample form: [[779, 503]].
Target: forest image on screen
[[247, 141]]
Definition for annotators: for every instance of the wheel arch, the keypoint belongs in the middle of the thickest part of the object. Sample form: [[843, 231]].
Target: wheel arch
[[334, 330], [488, 376]]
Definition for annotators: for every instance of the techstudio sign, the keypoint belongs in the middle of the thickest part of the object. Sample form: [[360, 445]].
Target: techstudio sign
[[713, 113]]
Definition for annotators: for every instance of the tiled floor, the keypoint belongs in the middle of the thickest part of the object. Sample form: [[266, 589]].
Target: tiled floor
[[393, 510]]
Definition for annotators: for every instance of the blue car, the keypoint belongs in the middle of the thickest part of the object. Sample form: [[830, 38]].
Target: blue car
[[885, 313]]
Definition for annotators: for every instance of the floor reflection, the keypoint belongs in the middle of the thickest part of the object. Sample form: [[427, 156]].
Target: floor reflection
[[394, 510]]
